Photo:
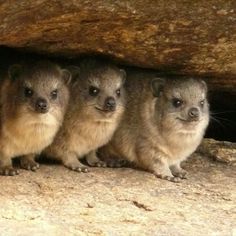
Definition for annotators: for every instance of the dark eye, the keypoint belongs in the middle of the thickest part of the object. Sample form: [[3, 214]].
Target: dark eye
[[93, 91], [28, 92], [202, 103], [54, 94], [177, 102], [118, 92]]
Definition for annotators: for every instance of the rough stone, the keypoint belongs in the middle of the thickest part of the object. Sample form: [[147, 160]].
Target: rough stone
[[56, 201], [221, 151], [190, 37]]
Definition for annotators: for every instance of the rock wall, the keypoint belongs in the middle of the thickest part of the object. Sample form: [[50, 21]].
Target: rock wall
[[193, 37]]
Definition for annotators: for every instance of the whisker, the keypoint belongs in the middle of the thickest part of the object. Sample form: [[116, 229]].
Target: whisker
[[222, 112], [217, 121], [225, 120], [224, 125]]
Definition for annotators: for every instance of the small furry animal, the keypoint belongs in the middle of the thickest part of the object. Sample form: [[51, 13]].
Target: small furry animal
[[95, 109], [33, 101], [164, 122]]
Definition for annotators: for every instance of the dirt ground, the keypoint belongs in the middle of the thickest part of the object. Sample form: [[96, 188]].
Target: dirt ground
[[57, 201]]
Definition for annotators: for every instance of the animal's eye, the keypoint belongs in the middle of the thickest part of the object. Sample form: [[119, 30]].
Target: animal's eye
[[118, 92], [54, 94], [93, 91], [202, 103], [177, 102], [28, 92]]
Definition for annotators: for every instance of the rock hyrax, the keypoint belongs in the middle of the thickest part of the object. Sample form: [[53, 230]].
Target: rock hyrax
[[94, 111], [164, 122], [32, 105]]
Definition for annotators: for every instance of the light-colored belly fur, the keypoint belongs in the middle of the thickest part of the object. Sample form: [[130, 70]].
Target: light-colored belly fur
[[176, 149], [27, 137], [90, 136], [181, 147]]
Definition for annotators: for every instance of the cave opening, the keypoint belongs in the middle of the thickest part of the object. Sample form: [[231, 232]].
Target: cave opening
[[222, 102], [223, 116]]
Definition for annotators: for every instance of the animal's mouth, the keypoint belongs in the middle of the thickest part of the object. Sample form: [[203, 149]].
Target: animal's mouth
[[41, 111], [33, 111], [188, 120], [107, 110]]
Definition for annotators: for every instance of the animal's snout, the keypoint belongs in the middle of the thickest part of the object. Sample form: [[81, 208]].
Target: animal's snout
[[194, 113], [41, 105], [110, 103]]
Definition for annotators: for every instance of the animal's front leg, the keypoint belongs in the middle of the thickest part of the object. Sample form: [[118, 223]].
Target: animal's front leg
[[178, 171], [28, 162], [6, 167], [93, 160], [70, 160], [156, 162]]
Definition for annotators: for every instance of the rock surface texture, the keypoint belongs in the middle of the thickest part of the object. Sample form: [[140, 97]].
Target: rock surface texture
[[196, 37], [56, 201], [221, 151]]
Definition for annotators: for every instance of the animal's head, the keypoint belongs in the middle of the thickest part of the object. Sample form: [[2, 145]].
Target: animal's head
[[40, 89], [100, 87], [182, 103]]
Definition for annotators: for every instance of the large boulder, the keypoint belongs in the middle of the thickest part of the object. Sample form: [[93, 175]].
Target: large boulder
[[193, 37]]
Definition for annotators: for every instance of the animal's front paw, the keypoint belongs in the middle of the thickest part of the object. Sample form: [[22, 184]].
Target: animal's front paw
[[8, 171], [77, 166], [98, 163], [29, 164], [174, 179], [79, 169], [180, 173], [117, 163]]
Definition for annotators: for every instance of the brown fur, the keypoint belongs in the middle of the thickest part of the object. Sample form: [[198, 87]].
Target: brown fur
[[24, 130], [88, 124], [150, 133]]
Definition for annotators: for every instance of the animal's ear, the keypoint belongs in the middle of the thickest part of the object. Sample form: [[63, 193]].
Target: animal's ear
[[66, 75], [204, 85], [74, 71], [123, 75], [157, 86], [15, 71]]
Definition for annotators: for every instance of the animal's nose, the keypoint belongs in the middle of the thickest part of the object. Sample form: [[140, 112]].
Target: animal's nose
[[110, 103], [193, 113], [41, 105]]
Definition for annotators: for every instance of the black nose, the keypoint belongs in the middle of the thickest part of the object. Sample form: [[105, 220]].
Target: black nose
[[41, 105], [193, 113], [110, 103]]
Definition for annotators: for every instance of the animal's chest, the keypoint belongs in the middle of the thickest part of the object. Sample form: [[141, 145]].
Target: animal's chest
[[91, 136], [27, 139], [181, 147]]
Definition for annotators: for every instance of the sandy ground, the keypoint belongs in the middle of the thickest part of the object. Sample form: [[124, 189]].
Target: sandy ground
[[57, 201]]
